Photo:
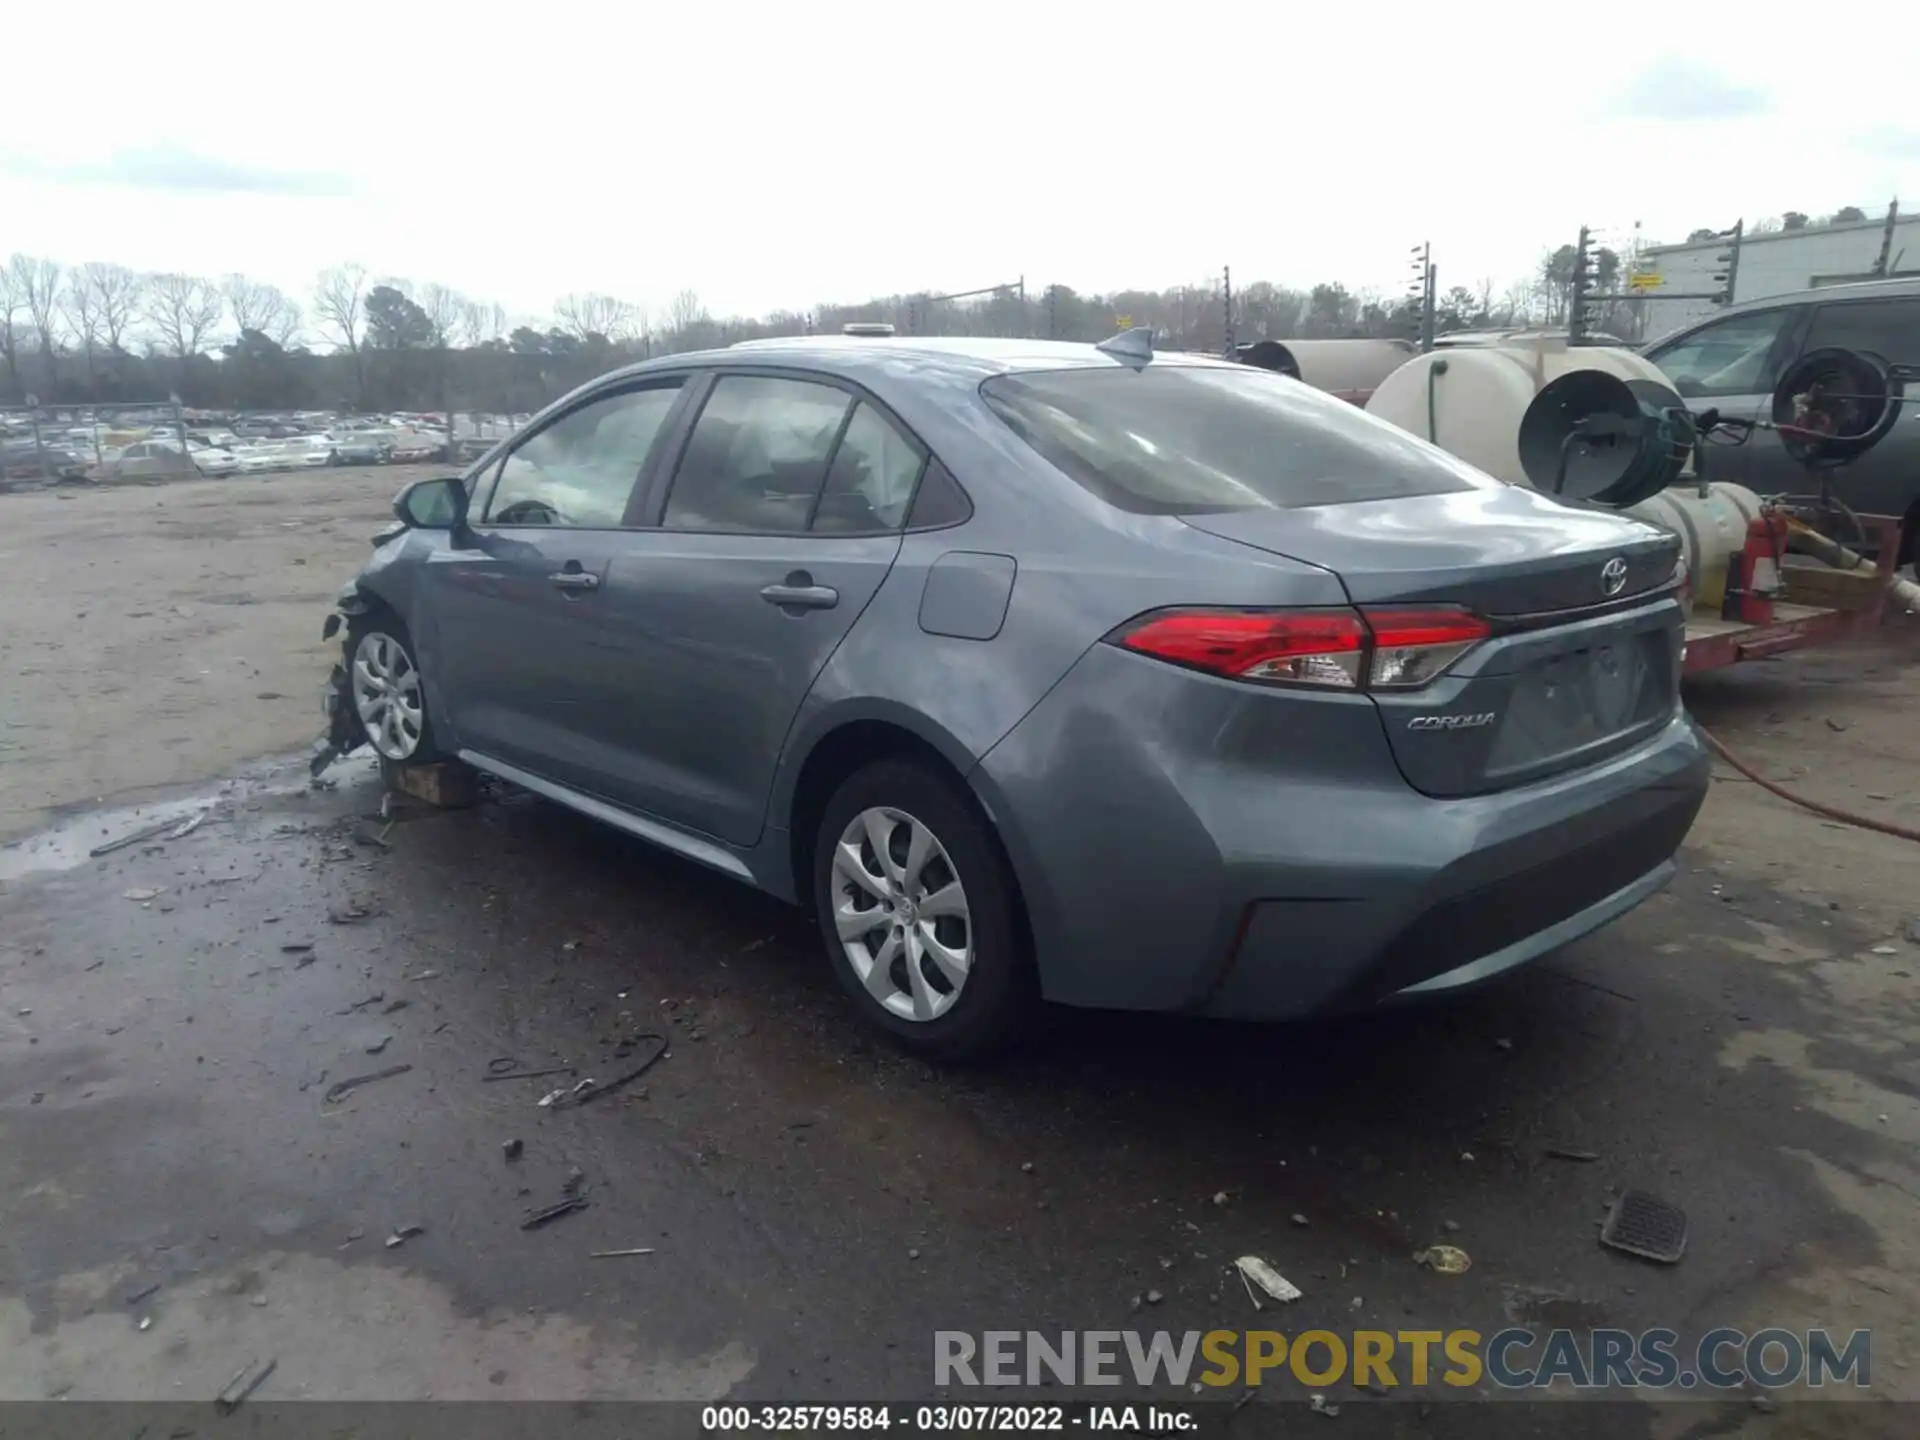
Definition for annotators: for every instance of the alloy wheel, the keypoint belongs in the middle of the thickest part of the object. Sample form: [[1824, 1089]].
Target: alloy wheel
[[901, 913], [386, 695]]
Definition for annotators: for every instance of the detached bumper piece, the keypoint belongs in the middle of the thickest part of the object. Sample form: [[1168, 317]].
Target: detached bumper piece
[[343, 734]]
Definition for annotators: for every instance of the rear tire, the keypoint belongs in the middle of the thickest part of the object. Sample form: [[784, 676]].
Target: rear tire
[[925, 937]]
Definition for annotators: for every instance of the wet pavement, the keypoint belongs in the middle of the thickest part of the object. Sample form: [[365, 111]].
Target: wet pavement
[[817, 1204]]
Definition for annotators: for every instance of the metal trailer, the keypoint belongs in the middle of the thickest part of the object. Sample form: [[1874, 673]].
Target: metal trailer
[[1816, 604]]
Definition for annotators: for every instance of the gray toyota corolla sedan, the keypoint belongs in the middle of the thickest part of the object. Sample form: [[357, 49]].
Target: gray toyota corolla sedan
[[1050, 671]]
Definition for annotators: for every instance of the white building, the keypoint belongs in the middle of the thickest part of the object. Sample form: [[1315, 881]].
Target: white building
[[1777, 263]]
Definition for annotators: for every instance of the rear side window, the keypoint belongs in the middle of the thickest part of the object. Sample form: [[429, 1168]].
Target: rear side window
[[871, 481], [1182, 439], [1889, 328]]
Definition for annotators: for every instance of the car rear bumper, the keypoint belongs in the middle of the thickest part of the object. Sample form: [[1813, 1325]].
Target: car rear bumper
[[1186, 844]]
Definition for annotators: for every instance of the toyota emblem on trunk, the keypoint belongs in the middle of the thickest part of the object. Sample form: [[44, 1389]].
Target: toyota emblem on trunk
[[1613, 576]]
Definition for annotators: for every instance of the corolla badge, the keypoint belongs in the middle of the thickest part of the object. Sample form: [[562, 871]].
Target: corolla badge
[[1613, 576], [1451, 722]]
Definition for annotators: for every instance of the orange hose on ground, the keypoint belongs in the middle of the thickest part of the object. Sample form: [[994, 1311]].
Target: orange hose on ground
[[1885, 827]]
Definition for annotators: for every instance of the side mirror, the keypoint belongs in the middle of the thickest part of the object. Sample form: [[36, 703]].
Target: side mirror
[[439, 504]]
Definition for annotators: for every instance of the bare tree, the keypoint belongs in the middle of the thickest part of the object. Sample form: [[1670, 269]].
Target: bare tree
[[13, 304], [477, 323], [261, 308], [80, 303], [340, 303], [40, 280], [592, 314], [117, 297], [283, 322], [685, 311], [445, 309], [184, 311]]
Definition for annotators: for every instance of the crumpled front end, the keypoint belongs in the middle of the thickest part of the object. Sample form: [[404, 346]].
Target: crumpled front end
[[343, 733]]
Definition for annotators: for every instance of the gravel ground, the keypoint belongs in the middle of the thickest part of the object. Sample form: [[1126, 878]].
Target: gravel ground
[[1743, 1045]]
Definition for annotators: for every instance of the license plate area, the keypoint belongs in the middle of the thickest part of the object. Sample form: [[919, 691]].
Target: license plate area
[[1583, 700]]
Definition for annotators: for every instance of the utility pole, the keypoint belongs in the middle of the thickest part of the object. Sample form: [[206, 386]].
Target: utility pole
[[1579, 283], [1730, 258], [1420, 291], [1226, 285], [1053, 312], [1882, 265], [1023, 307]]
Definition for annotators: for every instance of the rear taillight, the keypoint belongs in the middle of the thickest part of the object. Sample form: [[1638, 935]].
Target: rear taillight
[[1312, 647], [1390, 649], [1412, 647]]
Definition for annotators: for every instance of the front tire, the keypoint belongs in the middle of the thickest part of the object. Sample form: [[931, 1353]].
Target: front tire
[[388, 696], [918, 911]]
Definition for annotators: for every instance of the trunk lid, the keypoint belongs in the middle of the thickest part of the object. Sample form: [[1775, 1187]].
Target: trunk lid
[[1584, 658]]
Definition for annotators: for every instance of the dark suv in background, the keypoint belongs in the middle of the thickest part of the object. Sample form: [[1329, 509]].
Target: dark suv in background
[[1735, 359]]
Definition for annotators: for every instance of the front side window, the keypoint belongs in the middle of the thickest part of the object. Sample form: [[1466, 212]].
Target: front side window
[[757, 456], [1184, 439], [580, 470], [1729, 357]]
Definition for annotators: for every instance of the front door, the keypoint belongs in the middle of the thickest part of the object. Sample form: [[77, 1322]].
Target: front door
[[1885, 480], [1732, 366], [518, 613]]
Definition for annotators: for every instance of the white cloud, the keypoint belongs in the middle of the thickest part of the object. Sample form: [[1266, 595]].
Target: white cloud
[[773, 155]]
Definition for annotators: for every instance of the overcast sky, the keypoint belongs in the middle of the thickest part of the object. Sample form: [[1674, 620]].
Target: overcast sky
[[776, 155]]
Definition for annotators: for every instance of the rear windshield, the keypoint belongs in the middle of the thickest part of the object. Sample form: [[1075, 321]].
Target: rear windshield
[[1181, 439]]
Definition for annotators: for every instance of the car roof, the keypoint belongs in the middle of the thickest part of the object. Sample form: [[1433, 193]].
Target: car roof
[[949, 359], [1901, 289]]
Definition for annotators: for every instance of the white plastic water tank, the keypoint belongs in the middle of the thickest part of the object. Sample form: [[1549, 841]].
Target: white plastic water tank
[[1469, 401]]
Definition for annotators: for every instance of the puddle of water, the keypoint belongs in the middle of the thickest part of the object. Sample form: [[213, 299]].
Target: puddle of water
[[66, 845]]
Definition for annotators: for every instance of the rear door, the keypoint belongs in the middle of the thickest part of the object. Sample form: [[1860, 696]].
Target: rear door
[[777, 522], [1886, 480], [1731, 365]]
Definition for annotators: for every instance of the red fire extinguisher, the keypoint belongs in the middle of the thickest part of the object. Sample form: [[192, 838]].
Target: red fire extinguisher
[[1754, 579]]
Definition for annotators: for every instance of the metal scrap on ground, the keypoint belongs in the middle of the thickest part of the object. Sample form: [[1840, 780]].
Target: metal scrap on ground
[[171, 829], [554, 1212], [339, 1089], [590, 1089]]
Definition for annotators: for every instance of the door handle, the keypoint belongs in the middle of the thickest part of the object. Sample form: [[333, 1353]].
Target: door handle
[[575, 580], [801, 597]]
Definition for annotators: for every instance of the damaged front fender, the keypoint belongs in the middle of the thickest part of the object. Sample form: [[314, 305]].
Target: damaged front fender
[[344, 733]]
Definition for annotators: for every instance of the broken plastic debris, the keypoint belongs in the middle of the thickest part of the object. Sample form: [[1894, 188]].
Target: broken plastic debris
[[243, 1384], [1320, 1405], [1259, 1272], [144, 893], [404, 1234], [1444, 1259]]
